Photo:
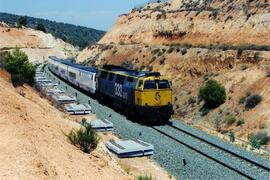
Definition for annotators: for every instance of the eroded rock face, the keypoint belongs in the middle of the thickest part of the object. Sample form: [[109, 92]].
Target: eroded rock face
[[37, 45], [196, 23], [191, 41]]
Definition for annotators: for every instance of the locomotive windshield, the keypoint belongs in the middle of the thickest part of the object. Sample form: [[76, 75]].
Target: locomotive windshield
[[150, 85], [163, 84]]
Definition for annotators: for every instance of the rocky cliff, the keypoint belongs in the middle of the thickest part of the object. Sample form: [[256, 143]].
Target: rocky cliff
[[192, 41]]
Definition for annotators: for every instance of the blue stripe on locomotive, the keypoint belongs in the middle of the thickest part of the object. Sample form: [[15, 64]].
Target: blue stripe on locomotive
[[122, 92]]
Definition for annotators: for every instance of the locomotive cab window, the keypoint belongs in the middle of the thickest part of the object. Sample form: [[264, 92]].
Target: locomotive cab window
[[163, 84], [140, 84], [150, 85]]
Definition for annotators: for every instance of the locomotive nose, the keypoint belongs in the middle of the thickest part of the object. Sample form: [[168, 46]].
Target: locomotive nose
[[158, 97]]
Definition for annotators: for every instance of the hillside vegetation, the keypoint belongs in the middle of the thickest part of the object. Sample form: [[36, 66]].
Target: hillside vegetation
[[21, 70], [75, 35], [192, 42]]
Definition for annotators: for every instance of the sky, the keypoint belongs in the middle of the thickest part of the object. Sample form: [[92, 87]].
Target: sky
[[98, 14]]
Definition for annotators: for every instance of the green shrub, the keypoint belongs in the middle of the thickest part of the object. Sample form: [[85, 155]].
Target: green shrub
[[17, 80], [114, 51], [212, 93], [127, 64], [242, 100], [231, 136], [159, 54], [243, 67], [259, 139], [240, 122], [22, 21], [268, 73], [204, 111], [191, 100], [86, 138], [153, 59], [262, 126], [162, 60], [208, 75], [230, 119], [83, 120], [254, 142], [184, 51], [263, 137], [21, 70], [170, 50], [252, 101], [239, 51], [144, 178], [155, 51], [41, 27]]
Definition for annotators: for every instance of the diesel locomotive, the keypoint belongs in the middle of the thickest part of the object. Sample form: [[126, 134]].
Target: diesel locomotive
[[146, 95]]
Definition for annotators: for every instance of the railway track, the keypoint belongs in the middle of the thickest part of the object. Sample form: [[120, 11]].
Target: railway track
[[249, 169], [173, 144]]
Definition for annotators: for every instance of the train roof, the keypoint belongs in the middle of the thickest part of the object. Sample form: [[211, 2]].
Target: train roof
[[113, 68], [78, 66], [128, 72]]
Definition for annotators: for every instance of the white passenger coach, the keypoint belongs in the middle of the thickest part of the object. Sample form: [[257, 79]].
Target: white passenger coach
[[81, 76]]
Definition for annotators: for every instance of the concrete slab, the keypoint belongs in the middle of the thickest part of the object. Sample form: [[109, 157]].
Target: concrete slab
[[54, 91], [42, 79], [78, 109], [130, 148], [63, 98], [101, 124], [39, 74], [48, 84]]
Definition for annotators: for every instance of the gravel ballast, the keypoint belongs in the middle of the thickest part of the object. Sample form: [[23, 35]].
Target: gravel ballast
[[179, 160]]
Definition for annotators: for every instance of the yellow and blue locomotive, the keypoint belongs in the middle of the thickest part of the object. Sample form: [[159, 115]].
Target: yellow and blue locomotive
[[146, 94]]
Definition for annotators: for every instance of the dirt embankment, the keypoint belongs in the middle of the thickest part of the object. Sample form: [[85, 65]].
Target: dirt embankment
[[192, 41], [37, 45], [33, 144]]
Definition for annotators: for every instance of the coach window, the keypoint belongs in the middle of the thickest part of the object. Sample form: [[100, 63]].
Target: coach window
[[103, 75], [111, 76], [72, 75], [130, 79]]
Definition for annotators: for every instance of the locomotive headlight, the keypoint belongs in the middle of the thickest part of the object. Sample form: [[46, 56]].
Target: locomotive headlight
[[157, 78]]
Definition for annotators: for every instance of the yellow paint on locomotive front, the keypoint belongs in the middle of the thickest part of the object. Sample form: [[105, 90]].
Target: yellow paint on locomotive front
[[153, 97]]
